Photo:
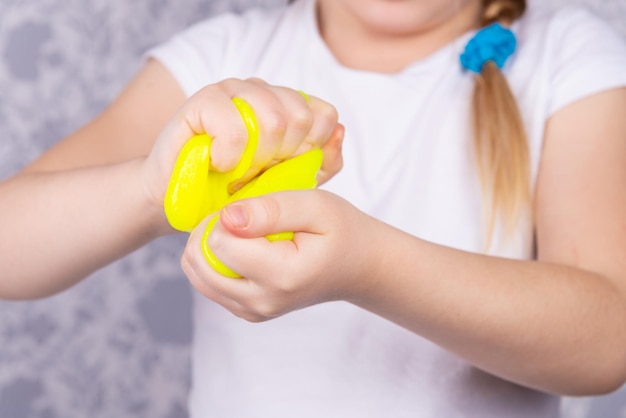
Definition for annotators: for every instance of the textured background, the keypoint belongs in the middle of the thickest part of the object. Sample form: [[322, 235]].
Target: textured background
[[117, 345]]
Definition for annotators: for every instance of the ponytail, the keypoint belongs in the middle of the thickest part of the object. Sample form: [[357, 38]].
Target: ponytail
[[501, 144]]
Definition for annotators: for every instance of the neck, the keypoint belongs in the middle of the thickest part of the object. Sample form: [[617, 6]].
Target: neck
[[388, 49]]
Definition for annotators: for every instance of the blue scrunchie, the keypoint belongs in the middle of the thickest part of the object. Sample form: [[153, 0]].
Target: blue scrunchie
[[492, 43]]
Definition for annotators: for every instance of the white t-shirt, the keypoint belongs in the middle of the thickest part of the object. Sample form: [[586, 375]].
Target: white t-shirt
[[409, 162]]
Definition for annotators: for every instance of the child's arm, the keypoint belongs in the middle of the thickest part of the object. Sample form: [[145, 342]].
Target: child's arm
[[557, 324], [98, 194], [81, 205]]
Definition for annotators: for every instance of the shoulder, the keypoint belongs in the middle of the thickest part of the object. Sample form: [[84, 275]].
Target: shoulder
[[230, 44], [569, 30], [232, 27], [566, 54], [245, 21], [572, 19]]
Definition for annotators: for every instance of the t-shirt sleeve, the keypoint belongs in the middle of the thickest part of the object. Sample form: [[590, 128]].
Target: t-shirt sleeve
[[224, 46], [193, 56], [589, 57]]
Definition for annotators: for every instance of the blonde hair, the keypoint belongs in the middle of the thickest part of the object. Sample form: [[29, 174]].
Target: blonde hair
[[500, 140]]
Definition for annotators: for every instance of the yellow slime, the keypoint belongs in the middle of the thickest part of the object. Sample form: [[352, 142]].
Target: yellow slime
[[194, 191]]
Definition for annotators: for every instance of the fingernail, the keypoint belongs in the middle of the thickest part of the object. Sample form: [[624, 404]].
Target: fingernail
[[340, 143], [237, 216]]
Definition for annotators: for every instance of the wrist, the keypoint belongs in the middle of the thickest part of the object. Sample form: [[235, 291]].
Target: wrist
[[150, 205], [389, 268], [371, 266]]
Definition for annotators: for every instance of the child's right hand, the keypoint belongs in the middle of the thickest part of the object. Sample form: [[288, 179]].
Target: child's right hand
[[288, 126]]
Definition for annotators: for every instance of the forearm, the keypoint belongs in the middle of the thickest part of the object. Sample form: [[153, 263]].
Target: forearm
[[547, 326], [57, 228]]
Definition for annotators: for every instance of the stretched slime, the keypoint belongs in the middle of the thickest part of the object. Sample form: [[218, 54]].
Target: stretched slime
[[195, 191]]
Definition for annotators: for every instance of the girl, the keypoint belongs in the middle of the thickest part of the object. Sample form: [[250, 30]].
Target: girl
[[468, 260]]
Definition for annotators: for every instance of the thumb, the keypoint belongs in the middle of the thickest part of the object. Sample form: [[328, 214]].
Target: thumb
[[272, 213], [333, 158]]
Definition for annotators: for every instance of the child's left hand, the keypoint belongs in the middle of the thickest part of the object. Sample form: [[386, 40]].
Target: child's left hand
[[328, 259]]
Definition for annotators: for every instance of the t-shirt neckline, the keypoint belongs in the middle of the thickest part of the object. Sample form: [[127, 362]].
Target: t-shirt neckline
[[432, 63]]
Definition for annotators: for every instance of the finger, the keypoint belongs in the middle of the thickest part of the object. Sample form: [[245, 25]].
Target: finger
[[197, 278], [311, 122], [299, 117], [241, 296], [212, 290], [333, 157], [223, 290], [297, 211], [212, 111], [325, 118], [206, 112], [267, 268], [270, 116]]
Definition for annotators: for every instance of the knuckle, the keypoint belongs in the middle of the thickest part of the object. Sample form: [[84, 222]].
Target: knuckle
[[193, 278], [263, 311], [253, 317], [245, 313], [229, 84], [328, 113], [271, 210], [285, 283], [185, 265], [275, 123], [334, 164], [286, 288], [302, 119], [338, 166], [189, 256], [227, 147], [234, 137], [207, 90], [257, 80]]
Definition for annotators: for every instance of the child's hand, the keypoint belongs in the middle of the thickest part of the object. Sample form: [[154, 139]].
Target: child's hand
[[330, 258], [288, 125]]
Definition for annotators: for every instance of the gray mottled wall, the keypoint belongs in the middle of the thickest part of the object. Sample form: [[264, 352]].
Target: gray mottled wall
[[117, 345]]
